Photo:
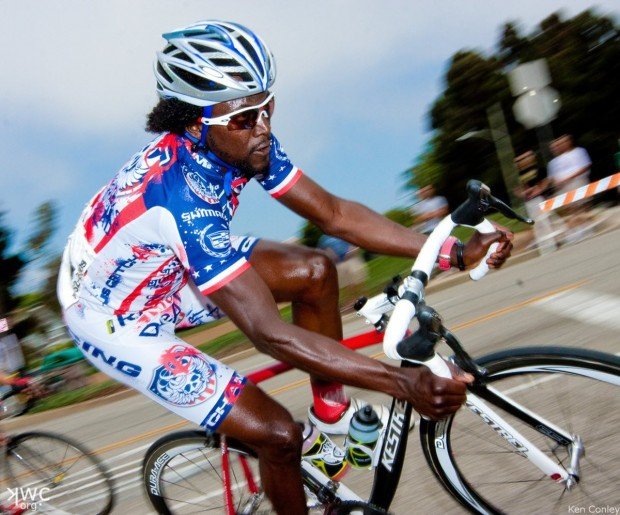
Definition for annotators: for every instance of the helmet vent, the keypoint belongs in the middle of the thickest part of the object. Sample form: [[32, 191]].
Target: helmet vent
[[183, 57], [224, 62], [202, 48], [195, 81], [251, 52], [245, 77], [162, 72]]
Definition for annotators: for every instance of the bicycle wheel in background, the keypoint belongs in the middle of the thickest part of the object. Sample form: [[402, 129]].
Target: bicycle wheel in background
[[62, 475], [182, 473], [578, 391]]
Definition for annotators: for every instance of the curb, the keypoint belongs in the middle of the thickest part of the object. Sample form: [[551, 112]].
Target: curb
[[25, 421]]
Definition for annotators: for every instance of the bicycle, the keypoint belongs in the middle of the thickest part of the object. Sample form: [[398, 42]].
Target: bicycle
[[50, 473], [531, 458]]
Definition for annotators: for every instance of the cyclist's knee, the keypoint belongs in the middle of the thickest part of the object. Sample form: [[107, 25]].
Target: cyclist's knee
[[321, 275], [284, 442]]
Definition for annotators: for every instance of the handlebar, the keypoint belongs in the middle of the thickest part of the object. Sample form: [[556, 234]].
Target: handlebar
[[410, 294]]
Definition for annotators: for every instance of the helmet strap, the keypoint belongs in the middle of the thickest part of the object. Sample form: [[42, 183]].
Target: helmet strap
[[202, 143], [206, 113]]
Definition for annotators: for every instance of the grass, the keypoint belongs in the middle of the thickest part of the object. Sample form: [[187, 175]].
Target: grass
[[60, 399]]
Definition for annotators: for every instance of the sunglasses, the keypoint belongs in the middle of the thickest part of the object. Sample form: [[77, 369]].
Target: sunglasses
[[246, 118]]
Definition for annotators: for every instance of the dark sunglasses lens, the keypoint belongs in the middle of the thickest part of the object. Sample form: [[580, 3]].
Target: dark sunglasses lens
[[245, 120]]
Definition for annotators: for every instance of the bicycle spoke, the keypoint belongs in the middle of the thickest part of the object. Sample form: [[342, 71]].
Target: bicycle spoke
[[577, 395], [76, 481], [191, 481]]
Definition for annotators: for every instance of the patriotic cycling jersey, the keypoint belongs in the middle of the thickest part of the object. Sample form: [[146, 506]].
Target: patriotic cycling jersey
[[165, 215]]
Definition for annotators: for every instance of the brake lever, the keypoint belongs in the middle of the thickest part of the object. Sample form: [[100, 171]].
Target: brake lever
[[507, 211]]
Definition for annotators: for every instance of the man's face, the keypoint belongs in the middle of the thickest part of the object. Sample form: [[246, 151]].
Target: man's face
[[246, 149], [426, 192], [564, 144]]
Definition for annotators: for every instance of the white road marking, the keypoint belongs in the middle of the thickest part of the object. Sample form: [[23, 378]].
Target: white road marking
[[586, 306]]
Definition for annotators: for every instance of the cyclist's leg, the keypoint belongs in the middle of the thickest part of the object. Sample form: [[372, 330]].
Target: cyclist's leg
[[308, 279], [264, 425], [305, 277], [257, 420], [143, 353]]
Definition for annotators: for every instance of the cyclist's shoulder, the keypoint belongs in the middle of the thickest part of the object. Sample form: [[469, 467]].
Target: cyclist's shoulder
[[154, 160]]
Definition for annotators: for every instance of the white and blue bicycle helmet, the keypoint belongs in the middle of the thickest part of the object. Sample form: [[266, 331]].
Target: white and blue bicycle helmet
[[213, 61]]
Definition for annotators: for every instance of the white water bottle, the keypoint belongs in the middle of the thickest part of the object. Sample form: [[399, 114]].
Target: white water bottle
[[362, 438]]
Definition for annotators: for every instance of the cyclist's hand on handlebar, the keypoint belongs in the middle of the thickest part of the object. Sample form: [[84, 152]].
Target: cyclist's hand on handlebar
[[476, 248], [433, 396]]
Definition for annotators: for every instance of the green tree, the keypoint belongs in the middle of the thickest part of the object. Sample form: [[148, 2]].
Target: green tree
[[473, 83], [310, 234], [11, 265], [583, 54], [427, 170], [33, 253]]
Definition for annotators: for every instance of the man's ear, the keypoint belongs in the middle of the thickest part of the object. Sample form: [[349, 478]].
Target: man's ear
[[194, 129]]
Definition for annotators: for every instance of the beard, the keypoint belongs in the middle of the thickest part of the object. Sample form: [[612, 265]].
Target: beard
[[245, 166]]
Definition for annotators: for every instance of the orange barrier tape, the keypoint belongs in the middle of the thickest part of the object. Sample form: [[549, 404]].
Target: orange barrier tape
[[580, 193]]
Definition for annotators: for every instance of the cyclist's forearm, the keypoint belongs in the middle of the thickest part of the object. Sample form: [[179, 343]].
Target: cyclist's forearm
[[256, 314], [328, 359], [371, 231]]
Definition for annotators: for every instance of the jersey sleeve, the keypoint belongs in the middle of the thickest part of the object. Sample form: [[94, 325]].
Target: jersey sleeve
[[282, 174], [195, 225], [212, 260]]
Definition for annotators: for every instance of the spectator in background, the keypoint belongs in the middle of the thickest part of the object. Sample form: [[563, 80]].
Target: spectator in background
[[11, 355], [429, 210], [533, 186], [567, 171], [570, 168], [351, 268]]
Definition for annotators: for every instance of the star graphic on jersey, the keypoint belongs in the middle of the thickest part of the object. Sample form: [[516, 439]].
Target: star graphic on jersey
[[195, 273], [271, 177], [222, 261], [208, 268]]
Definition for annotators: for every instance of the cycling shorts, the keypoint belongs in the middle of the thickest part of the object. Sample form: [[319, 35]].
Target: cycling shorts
[[142, 351]]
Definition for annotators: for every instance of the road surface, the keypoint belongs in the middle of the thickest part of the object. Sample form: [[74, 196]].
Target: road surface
[[530, 303]]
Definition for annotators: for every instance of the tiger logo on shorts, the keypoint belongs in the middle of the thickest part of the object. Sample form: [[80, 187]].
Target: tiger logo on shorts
[[184, 378]]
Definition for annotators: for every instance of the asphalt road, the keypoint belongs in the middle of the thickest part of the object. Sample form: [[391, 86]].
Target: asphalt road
[[529, 303]]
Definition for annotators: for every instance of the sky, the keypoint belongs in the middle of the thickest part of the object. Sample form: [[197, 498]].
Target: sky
[[356, 79]]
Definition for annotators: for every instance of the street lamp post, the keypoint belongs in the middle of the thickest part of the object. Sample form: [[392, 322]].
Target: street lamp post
[[498, 134]]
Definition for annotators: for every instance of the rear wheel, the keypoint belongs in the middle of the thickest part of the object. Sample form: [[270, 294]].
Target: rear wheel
[[578, 391], [182, 473], [57, 475]]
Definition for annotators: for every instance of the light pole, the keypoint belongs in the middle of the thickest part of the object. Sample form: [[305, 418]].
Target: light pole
[[498, 134]]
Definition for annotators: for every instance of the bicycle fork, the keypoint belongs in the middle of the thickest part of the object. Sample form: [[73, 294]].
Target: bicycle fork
[[255, 494], [520, 443]]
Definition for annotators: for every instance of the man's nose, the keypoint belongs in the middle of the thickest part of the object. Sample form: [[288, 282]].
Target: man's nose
[[263, 122]]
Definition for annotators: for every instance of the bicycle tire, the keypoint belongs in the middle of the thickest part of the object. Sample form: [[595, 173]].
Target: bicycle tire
[[181, 473], [546, 380], [76, 480]]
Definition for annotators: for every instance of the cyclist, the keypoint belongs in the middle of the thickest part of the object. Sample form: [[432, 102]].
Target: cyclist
[[152, 252]]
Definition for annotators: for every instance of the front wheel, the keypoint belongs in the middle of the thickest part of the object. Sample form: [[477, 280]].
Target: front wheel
[[183, 472], [575, 389], [51, 473]]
